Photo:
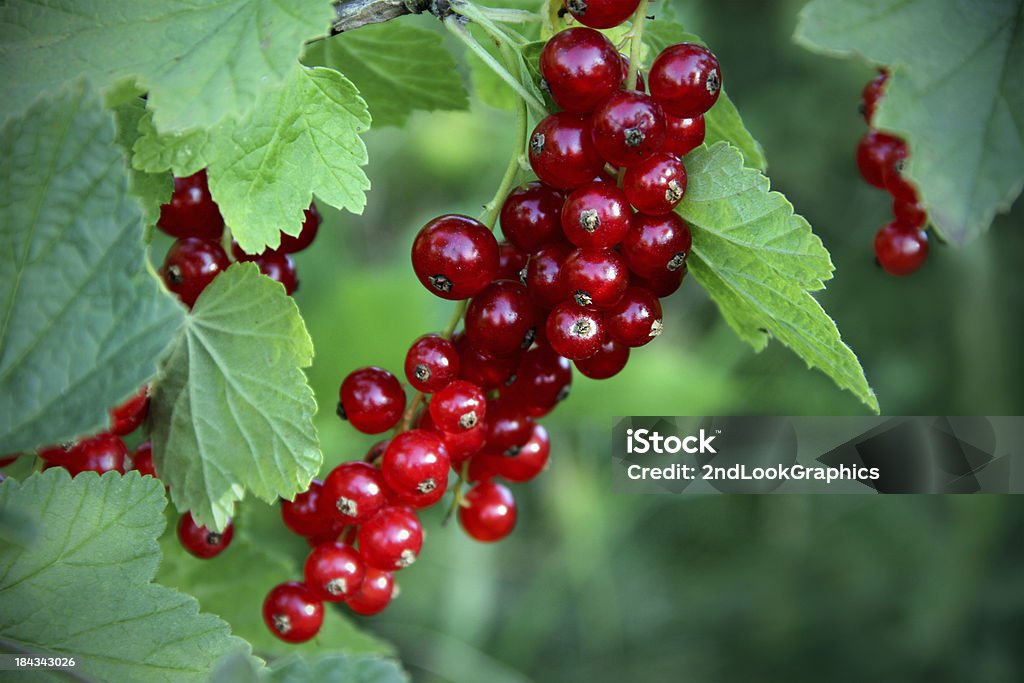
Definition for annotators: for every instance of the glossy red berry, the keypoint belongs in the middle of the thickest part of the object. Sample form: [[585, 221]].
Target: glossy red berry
[[202, 542], [628, 127], [476, 367], [191, 211], [511, 262], [488, 512], [455, 256], [304, 515], [575, 332], [901, 250], [636, 319], [872, 95], [595, 278], [333, 571], [501, 319], [529, 461], [543, 379], [460, 445], [609, 361], [662, 283], [127, 417], [57, 455], [683, 135], [562, 151], [508, 427], [353, 492], [874, 152], [910, 214], [458, 407], [142, 459], [657, 243], [310, 226], [531, 216], [581, 67], [431, 363], [892, 174], [415, 466], [391, 539], [374, 593], [100, 453], [190, 265], [292, 612], [656, 185], [371, 399], [279, 267], [544, 275], [596, 216], [601, 13], [685, 79]]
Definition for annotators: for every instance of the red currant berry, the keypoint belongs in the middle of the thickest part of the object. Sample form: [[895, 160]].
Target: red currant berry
[[142, 459], [574, 331], [873, 154], [190, 265], [333, 571], [304, 515], [460, 445], [279, 267], [7, 460], [372, 400], [458, 407], [455, 256], [202, 542], [352, 493], [595, 278], [374, 593], [57, 455], [431, 363], [628, 127], [892, 175], [488, 512], [476, 367], [531, 459], [607, 362], [636, 319], [191, 211], [543, 379], [500, 319], [656, 185], [562, 151], [683, 135], [657, 243], [601, 13], [544, 275], [292, 612], [310, 226], [596, 216], [415, 466], [530, 216], [901, 250], [910, 214], [581, 67], [391, 539], [101, 453], [126, 418], [663, 283], [872, 95], [685, 79], [511, 262], [508, 427]]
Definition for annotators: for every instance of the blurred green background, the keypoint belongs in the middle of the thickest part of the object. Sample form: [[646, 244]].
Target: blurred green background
[[600, 587]]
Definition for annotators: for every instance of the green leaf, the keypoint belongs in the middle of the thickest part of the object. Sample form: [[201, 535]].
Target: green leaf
[[955, 94], [398, 69], [324, 668], [232, 410], [759, 261], [722, 122], [82, 322], [84, 587], [151, 189], [199, 61], [302, 138]]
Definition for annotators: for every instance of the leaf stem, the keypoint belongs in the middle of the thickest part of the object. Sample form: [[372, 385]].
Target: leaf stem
[[508, 16], [636, 43]]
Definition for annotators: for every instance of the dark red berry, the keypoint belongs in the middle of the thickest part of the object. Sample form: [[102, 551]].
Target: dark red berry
[[500, 319], [683, 135], [636, 319], [310, 226], [596, 216], [662, 283], [508, 427], [391, 539], [100, 453], [126, 418], [460, 445], [581, 67], [57, 455], [455, 256], [488, 512], [352, 492], [292, 612], [415, 466], [574, 331], [562, 151], [544, 275], [892, 174], [511, 262], [655, 185], [685, 79], [7, 460], [279, 267], [458, 407], [190, 265], [872, 95], [910, 214], [333, 571], [142, 459], [304, 515], [431, 363], [601, 13], [657, 243], [487, 372], [874, 152], [901, 250], [543, 378], [628, 127], [607, 362], [531, 458], [372, 400], [191, 211], [202, 542], [595, 278], [531, 216], [373, 594]]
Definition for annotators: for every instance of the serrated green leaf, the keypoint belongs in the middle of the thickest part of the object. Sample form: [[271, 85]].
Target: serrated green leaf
[[398, 69], [955, 94], [324, 668], [232, 410], [83, 587], [151, 189], [262, 554], [759, 262], [722, 121], [199, 61], [301, 139], [82, 321]]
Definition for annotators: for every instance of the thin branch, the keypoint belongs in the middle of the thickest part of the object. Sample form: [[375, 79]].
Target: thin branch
[[351, 14]]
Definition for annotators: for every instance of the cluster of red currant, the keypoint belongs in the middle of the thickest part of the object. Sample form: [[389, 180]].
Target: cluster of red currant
[[901, 246], [578, 280]]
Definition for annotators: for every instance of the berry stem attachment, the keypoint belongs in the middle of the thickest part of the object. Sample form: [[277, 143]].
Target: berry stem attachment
[[457, 499]]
